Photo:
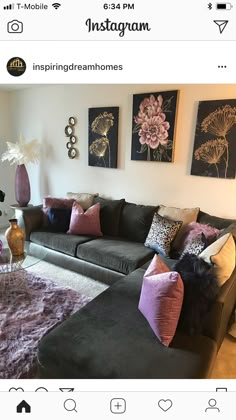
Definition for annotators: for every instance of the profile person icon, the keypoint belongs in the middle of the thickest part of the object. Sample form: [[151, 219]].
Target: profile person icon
[[212, 405]]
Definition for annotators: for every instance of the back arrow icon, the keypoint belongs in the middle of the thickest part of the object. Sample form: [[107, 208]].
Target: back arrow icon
[[221, 24]]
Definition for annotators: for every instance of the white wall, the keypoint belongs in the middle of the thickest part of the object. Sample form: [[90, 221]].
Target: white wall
[[42, 112], [6, 171]]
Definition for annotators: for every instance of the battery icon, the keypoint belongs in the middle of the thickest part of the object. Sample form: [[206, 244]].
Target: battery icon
[[224, 6]]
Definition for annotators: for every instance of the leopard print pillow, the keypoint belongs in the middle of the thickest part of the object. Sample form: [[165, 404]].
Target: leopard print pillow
[[196, 245], [161, 234]]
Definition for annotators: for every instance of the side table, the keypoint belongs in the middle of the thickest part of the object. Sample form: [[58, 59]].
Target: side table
[[23, 213]]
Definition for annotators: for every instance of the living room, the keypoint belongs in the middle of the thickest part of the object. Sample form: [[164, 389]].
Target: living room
[[42, 112]]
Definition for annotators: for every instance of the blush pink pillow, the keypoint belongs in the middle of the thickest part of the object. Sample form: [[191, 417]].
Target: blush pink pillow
[[85, 222], [160, 302], [156, 266]]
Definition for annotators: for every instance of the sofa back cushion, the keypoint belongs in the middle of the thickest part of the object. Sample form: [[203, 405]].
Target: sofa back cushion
[[218, 222], [109, 215], [135, 221]]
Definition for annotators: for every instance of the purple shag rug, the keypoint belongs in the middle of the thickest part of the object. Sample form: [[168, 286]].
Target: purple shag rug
[[29, 308]]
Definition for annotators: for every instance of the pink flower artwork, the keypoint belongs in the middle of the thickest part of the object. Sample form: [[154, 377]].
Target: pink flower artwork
[[153, 126]]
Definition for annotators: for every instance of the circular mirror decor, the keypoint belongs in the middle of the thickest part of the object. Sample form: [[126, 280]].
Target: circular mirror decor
[[68, 130], [72, 153], [69, 145], [73, 139], [72, 121]]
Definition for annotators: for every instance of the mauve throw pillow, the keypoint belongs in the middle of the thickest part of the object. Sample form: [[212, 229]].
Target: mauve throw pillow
[[191, 230], [59, 203], [161, 302], [85, 223]]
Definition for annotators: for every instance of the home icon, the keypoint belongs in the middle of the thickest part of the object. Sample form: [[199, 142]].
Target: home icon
[[23, 407]]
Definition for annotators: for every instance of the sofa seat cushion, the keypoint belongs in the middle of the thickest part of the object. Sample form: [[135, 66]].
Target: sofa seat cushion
[[59, 241], [114, 253], [110, 338]]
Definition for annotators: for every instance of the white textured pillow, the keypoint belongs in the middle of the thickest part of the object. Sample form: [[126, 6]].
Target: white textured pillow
[[84, 199], [186, 215], [221, 254]]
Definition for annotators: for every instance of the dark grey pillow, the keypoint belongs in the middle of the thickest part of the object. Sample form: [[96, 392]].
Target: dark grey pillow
[[135, 221], [109, 215], [218, 222]]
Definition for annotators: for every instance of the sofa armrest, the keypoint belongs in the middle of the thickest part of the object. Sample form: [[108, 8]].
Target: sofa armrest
[[30, 219], [218, 319]]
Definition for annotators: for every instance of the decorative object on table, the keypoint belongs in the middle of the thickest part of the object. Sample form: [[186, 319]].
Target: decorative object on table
[[214, 152], [153, 126], [69, 132], [103, 136], [15, 237], [22, 153]]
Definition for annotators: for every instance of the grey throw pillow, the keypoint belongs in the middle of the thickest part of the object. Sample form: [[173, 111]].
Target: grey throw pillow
[[161, 234]]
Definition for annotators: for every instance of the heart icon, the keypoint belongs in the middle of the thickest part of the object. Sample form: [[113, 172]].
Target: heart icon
[[165, 405]]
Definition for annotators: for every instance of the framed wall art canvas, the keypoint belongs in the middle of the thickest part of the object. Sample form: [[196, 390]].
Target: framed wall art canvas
[[214, 151], [153, 126], [103, 137]]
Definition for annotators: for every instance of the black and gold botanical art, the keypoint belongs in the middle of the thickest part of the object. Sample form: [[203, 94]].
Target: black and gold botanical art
[[103, 136], [214, 153], [153, 126]]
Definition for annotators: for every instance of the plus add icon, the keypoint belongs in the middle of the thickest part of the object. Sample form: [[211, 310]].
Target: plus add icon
[[118, 405]]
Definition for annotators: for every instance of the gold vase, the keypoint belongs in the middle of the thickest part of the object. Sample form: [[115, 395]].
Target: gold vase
[[15, 237]]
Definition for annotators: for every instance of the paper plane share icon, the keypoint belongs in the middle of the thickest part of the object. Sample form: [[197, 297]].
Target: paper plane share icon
[[221, 24]]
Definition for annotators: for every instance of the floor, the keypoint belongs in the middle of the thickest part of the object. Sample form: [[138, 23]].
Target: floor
[[225, 365]]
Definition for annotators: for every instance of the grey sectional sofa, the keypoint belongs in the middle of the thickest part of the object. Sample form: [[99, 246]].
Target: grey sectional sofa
[[109, 337], [108, 258]]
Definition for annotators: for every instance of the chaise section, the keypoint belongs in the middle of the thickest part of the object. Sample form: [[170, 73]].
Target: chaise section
[[67, 244], [110, 338], [115, 254]]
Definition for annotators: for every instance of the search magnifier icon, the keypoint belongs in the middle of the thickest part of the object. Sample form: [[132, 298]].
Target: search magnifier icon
[[70, 405]]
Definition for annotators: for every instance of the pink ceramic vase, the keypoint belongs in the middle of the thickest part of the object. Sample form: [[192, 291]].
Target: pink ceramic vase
[[22, 186]]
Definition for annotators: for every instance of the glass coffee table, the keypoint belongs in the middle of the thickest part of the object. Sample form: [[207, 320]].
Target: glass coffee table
[[13, 271], [10, 263]]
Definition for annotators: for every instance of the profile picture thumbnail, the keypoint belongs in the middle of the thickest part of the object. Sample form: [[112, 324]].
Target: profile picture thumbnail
[[16, 66]]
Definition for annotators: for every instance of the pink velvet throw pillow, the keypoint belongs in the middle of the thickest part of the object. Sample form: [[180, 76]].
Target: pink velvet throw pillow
[[160, 302], [85, 222], [156, 266]]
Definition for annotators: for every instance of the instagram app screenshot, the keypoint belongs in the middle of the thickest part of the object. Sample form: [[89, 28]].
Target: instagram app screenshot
[[117, 209]]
